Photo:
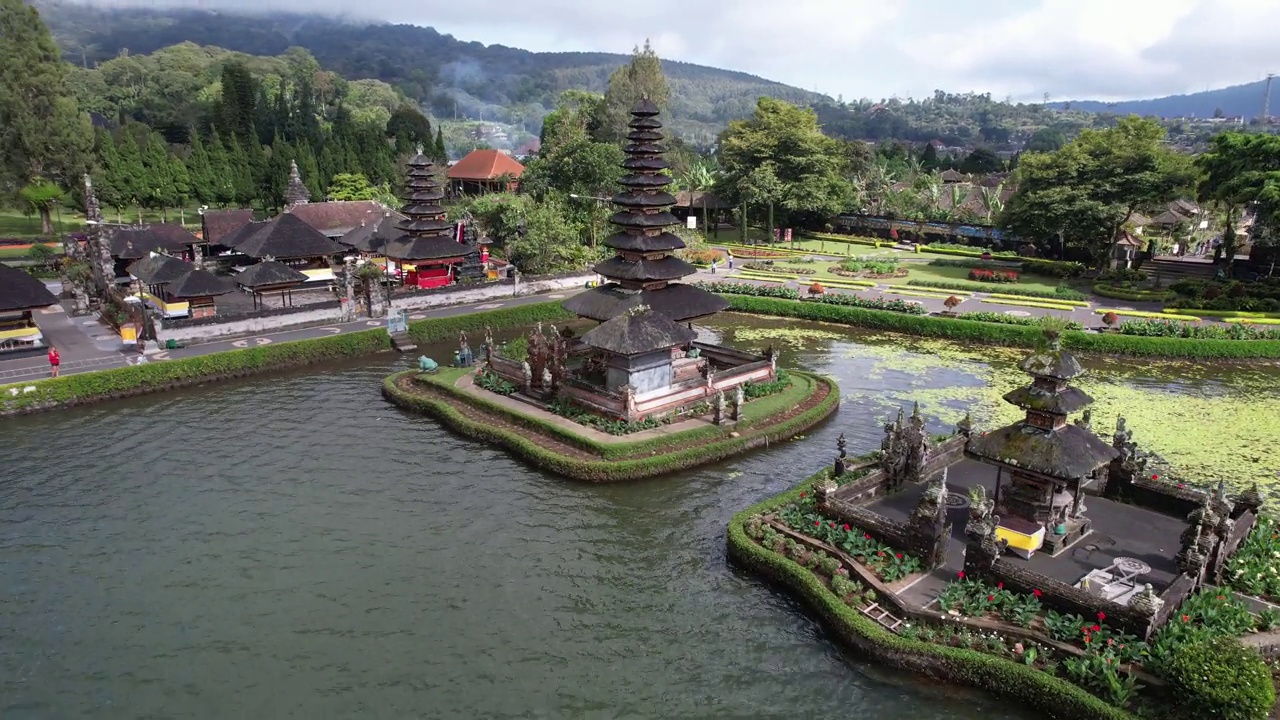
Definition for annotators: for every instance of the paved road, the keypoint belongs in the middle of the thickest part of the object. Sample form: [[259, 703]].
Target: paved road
[[81, 352]]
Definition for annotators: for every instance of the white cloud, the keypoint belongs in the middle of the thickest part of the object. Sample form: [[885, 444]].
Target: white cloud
[[1105, 49]]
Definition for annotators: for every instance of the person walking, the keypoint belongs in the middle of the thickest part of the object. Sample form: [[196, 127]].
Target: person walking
[[730, 254], [54, 361], [714, 261]]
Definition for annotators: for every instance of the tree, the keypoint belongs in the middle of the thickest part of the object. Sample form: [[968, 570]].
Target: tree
[[1086, 191], [238, 104], [1240, 170], [549, 243], [352, 186], [200, 181], [43, 136], [1046, 140], [40, 196], [157, 190], [441, 152], [780, 157], [929, 157], [127, 174], [410, 129], [570, 160], [982, 161], [639, 79], [700, 179]]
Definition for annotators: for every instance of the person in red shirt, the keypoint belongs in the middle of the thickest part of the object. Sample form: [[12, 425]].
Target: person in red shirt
[[54, 361]]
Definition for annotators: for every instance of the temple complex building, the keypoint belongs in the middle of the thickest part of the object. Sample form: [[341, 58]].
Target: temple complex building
[[427, 250]]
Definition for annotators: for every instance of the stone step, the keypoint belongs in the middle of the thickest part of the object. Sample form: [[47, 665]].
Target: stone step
[[402, 342]]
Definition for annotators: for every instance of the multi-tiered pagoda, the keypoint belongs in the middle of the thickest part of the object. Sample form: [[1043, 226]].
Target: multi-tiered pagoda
[[1047, 458], [644, 272], [428, 251]]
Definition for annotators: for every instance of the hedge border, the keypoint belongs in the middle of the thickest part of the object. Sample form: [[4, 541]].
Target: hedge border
[[1012, 335], [1115, 293], [604, 470], [1045, 693], [153, 377], [972, 287]]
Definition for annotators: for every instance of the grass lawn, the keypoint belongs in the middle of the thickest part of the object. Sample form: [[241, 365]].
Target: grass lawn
[[14, 223], [916, 271]]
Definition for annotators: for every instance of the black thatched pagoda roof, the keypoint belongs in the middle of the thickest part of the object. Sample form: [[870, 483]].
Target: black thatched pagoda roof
[[1068, 453], [135, 243], [159, 269], [20, 291], [268, 273], [284, 236], [638, 331], [199, 283], [372, 237], [425, 233], [1052, 362], [1071, 400], [643, 268], [678, 302]]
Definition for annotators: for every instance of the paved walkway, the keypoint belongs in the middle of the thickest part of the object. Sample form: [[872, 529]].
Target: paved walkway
[[85, 344]]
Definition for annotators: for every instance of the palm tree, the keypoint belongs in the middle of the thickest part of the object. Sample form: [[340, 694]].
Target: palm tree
[[699, 178], [992, 202]]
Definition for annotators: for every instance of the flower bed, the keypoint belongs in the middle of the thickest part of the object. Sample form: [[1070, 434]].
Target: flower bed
[[887, 563], [867, 267], [1255, 568], [1001, 318], [1054, 301], [1173, 328], [993, 276], [769, 267], [1061, 293], [729, 288], [897, 306]]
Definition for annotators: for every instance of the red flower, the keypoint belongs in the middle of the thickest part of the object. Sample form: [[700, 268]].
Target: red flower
[[1096, 628], [1000, 585], [832, 524], [817, 523], [802, 494], [898, 555], [1036, 592], [1155, 477], [991, 598], [960, 574], [1222, 597], [1181, 486], [867, 535], [1186, 618], [846, 527], [879, 553], [1102, 616], [1110, 641]]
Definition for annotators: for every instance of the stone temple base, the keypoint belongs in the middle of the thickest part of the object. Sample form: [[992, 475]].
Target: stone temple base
[[1077, 528]]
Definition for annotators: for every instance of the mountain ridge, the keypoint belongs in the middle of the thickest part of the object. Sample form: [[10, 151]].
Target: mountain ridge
[[1244, 100]]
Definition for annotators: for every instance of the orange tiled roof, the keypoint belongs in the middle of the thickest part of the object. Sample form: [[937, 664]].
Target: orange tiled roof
[[485, 165]]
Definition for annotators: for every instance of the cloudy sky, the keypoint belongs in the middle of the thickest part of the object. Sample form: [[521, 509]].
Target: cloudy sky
[[1071, 49]]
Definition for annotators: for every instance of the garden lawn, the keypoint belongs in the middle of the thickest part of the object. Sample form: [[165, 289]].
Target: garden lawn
[[936, 273]]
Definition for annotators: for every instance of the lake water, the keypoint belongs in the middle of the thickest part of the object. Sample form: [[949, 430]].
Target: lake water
[[292, 546]]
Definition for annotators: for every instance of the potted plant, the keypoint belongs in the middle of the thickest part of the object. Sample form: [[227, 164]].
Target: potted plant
[[951, 304], [1110, 319]]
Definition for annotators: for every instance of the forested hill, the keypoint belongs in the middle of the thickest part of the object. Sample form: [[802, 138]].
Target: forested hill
[[448, 75], [1235, 101]]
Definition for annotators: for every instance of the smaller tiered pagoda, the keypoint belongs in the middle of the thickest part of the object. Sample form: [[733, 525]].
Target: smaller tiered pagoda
[[1047, 459], [428, 251], [644, 272]]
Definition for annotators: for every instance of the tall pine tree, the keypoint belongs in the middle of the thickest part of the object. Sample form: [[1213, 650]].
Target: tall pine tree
[[199, 175], [221, 172], [441, 152]]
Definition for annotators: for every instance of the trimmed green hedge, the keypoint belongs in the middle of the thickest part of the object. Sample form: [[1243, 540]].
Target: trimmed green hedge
[[1059, 294], [1054, 696], [1014, 335], [1119, 293], [79, 388], [719, 443]]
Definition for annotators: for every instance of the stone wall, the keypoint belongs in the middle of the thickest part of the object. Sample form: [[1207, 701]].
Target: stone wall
[[329, 313]]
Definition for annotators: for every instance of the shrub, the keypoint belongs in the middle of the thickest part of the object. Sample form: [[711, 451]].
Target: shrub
[[993, 276], [493, 383], [877, 266], [951, 302], [1110, 319], [769, 267], [1121, 293], [1001, 318], [1052, 268], [1175, 329], [817, 289], [702, 257], [1122, 276], [897, 306], [1220, 678], [750, 289]]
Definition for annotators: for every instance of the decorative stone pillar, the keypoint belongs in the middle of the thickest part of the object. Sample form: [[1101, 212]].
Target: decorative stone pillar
[[841, 456], [719, 409], [739, 399], [927, 527], [348, 288], [1250, 499]]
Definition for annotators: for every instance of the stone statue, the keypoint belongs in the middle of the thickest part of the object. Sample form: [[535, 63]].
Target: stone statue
[[426, 364], [629, 401], [537, 353], [528, 376], [465, 358], [709, 374], [1086, 419], [739, 399], [718, 409], [488, 345], [965, 426], [1146, 601]]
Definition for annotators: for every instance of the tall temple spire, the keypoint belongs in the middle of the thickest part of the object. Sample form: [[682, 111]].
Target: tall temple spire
[[643, 272], [427, 234], [297, 193]]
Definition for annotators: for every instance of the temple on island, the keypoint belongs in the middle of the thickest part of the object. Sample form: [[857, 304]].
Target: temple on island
[[644, 271], [428, 251], [1042, 461], [643, 360]]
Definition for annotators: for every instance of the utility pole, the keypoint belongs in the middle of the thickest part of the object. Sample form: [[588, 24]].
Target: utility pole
[[1266, 100]]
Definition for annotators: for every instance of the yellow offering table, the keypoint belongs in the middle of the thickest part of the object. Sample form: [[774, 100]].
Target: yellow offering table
[[1024, 537]]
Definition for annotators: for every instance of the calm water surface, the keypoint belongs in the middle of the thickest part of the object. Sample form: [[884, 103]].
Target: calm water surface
[[294, 547]]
